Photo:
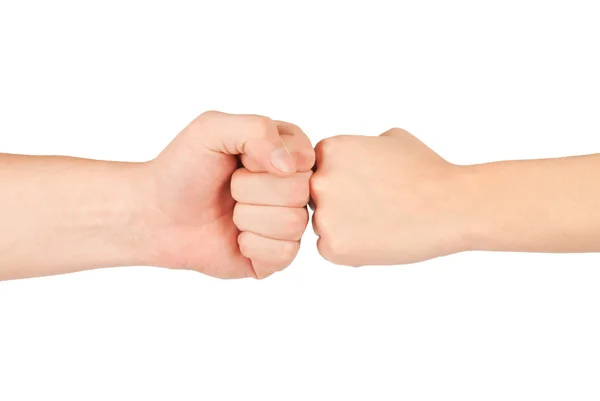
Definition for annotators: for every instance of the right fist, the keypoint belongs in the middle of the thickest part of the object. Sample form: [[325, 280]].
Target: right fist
[[385, 200], [271, 215], [212, 216]]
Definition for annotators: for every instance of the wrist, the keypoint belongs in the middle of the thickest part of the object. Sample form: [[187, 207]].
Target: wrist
[[130, 214], [456, 229], [159, 238], [475, 213]]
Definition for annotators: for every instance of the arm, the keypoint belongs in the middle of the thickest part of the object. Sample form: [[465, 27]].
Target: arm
[[61, 214], [185, 209], [392, 200], [550, 205]]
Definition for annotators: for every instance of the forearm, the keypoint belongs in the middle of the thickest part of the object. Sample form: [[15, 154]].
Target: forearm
[[550, 205], [60, 215]]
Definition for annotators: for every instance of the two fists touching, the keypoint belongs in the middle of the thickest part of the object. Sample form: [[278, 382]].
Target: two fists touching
[[231, 193], [228, 197]]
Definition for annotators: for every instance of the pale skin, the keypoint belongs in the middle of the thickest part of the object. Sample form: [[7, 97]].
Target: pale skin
[[392, 200], [194, 207], [228, 198]]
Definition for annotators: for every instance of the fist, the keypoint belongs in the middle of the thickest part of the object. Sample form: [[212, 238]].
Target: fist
[[384, 200], [229, 196], [271, 215]]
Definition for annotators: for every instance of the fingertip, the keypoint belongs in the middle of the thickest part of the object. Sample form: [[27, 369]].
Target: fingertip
[[305, 160]]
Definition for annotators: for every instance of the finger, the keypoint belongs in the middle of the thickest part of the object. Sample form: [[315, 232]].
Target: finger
[[268, 190], [255, 138], [296, 142], [267, 255], [282, 223]]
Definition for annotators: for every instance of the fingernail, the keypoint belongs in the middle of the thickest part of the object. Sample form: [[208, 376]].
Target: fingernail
[[282, 160]]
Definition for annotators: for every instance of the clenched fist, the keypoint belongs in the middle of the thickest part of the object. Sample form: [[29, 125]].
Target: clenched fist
[[384, 200], [230, 196], [227, 198]]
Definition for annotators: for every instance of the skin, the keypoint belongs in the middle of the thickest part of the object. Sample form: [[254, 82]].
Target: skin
[[226, 198], [392, 200]]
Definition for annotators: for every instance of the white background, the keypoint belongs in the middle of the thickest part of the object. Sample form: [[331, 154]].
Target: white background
[[476, 81]]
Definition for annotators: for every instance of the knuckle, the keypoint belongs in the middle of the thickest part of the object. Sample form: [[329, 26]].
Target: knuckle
[[288, 252], [324, 225], [290, 126], [325, 250], [302, 218], [318, 183], [243, 245], [209, 115], [238, 174], [395, 131], [323, 147], [330, 146], [298, 220], [332, 250], [261, 124], [237, 182], [316, 222], [238, 212]]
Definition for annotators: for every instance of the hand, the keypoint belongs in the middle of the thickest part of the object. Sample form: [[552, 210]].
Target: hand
[[196, 221], [384, 200]]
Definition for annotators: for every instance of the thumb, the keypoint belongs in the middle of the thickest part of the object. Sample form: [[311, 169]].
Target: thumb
[[254, 137]]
